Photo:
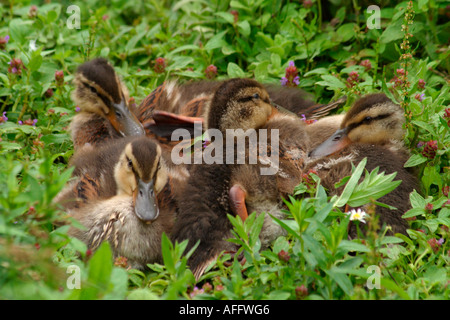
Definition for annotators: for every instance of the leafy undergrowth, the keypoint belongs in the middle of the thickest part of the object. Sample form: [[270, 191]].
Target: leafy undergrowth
[[328, 50]]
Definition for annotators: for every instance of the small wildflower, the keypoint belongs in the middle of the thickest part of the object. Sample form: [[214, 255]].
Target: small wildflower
[[421, 84], [420, 96], [447, 115], [59, 77], [160, 65], [3, 118], [430, 149], [88, 253], [196, 291], [37, 246], [33, 45], [366, 64], [48, 93], [105, 17], [211, 71], [207, 287], [307, 4], [3, 41], [420, 144], [236, 15], [401, 72], [446, 191], [352, 79], [358, 214], [283, 256], [50, 111], [15, 66], [291, 78], [205, 143], [31, 210], [28, 122], [121, 262], [33, 12], [435, 244], [429, 207], [77, 109], [301, 291]]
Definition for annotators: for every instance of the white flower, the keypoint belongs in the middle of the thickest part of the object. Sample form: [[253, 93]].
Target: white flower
[[358, 214], [33, 45]]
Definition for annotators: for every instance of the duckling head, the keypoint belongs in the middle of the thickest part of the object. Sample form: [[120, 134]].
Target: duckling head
[[239, 103], [99, 90], [140, 173], [373, 119]]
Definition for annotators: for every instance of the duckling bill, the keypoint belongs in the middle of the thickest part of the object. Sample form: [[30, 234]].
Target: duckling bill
[[103, 102]]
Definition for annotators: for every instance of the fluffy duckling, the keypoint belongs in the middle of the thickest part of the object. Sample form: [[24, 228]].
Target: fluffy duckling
[[172, 106], [214, 190], [130, 166], [103, 102], [121, 193], [373, 119], [372, 128]]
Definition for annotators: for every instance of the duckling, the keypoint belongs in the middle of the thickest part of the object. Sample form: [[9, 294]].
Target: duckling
[[131, 166], [122, 193], [103, 102], [213, 190], [172, 106], [372, 128], [372, 119]]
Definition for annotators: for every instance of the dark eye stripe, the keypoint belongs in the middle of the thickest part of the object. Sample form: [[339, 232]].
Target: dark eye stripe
[[367, 121]]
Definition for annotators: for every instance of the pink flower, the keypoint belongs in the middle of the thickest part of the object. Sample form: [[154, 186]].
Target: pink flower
[[211, 71], [3, 118], [353, 78], [15, 66], [291, 78], [77, 109], [421, 84], [59, 77], [3, 41], [430, 149], [160, 65], [366, 64], [420, 96]]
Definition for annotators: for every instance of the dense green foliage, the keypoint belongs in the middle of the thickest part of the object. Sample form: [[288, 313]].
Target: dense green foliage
[[335, 54]]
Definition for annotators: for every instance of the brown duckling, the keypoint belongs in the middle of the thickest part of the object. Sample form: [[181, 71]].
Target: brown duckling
[[214, 190], [103, 102], [172, 106], [122, 193], [372, 128]]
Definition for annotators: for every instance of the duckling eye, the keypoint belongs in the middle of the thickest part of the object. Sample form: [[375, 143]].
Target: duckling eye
[[130, 163], [255, 96], [367, 119], [118, 114]]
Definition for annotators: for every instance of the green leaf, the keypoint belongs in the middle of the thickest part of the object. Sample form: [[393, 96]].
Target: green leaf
[[331, 82], [234, 71], [217, 41], [415, 160], [351, 184]]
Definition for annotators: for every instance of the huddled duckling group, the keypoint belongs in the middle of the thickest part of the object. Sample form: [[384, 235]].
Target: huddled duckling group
[[126, 190]]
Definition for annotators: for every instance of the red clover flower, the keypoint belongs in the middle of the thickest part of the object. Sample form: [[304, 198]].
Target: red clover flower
[[15, 66], [291, 78], [160, 65], [211, 71], [430, 149]]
